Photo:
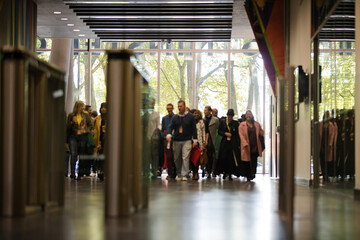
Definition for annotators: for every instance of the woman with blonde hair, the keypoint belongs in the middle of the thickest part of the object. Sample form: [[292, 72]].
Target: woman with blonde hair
[[78, 126]]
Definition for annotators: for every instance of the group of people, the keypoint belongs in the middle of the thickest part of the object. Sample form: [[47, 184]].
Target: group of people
[[337, 149], [231, 146], [85, 127], [227, 146]]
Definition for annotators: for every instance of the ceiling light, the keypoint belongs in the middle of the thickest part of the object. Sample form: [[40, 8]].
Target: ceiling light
[[76, 30], [81, 35], [70, 24], [64, 19], [57, 13]]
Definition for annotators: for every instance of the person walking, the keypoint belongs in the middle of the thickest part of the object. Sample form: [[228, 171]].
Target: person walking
[[169, 153], [200, 128], [327, 133], [249, 131], [211, 127], [99, 129], [229, 154], [78, 126], [184, 127]]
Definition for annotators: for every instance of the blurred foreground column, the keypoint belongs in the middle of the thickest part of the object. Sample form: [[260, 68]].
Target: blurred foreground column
[[124, 183]]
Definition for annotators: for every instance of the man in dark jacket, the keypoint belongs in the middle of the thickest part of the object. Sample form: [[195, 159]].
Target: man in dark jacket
[[165, 123], [184, 127]]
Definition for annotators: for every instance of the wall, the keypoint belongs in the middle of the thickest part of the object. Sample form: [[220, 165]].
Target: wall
[[300, 54], [18, 20]]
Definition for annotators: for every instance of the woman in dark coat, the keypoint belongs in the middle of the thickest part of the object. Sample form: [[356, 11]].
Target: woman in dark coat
[[229, 153]]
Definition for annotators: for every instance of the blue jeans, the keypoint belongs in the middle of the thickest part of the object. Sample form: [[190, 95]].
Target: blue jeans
[[77, 145]]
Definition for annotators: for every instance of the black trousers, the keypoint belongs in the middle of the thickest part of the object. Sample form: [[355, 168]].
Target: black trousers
[[249, 168], [253, 163], [170, 159], [211, 158]]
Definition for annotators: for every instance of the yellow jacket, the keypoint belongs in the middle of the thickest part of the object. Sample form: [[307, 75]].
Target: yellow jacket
[[96, 129]]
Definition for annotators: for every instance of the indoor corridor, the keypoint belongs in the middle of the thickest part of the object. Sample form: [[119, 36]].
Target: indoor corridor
[[207, 209]]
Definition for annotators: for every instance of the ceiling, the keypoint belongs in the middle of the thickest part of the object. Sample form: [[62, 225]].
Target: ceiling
[[142, 20], [340, 25]]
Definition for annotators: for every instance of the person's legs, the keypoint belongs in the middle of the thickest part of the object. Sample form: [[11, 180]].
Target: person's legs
[[73, 155], [67, 158], [253, 164], [186, 149], [154, 155], [210, 163], [322, 164], [177, 157], [246, 170], [170, 161], [214, 165], [84, 168]]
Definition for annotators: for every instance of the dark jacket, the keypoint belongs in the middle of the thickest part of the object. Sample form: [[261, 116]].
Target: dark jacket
[[229, 153], [73, 128], [188, 125]]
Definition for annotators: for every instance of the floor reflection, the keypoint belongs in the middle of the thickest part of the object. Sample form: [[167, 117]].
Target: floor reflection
[[204, 209]]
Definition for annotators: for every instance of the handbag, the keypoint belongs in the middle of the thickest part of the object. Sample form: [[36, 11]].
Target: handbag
[[203, 157], [262, 141], [195, 155], [90, 143]]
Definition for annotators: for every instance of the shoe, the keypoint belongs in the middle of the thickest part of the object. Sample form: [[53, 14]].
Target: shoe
[[178, 178], [230, 178], [72, 176], [101, 176], [224, 176], [195, 177], [184, 179], [169, 178]]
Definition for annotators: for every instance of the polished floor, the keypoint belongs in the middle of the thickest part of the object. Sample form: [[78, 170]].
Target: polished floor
[[207, 209]]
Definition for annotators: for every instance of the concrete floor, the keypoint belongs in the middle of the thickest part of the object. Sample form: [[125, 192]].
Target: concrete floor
[[207, 209]]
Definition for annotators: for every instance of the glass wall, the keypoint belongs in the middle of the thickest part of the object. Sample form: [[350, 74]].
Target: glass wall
[[337, 77], [176, 73], [211, 74], [97, 83], [337, 97], [221, 74], [80, 71]]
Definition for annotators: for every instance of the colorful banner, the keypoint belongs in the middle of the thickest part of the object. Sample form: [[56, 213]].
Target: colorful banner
[[267, 21]]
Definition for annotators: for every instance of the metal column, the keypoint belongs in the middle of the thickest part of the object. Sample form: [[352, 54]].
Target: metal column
[[124, 189], [32, 100]]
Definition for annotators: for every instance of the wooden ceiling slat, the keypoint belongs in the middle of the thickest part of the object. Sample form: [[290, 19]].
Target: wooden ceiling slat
[[214, 19]]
